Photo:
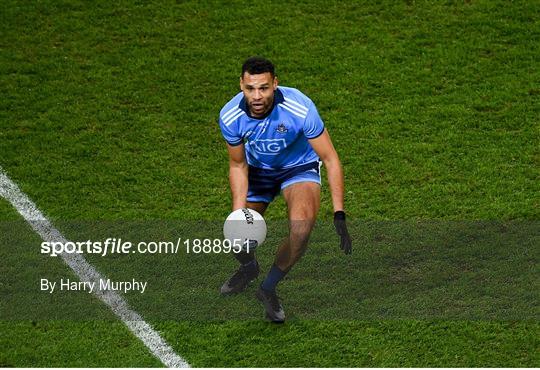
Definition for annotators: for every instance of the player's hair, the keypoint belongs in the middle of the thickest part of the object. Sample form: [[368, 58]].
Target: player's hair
[[257, 65]]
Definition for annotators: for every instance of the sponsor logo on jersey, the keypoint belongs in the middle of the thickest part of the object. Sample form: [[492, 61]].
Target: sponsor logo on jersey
[[268, 146]]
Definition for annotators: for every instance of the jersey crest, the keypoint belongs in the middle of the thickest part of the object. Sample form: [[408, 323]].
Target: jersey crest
[[281, 128]]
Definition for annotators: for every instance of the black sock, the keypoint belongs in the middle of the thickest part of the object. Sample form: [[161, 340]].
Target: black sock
[[275, 275], [250, 266], [245, 258]]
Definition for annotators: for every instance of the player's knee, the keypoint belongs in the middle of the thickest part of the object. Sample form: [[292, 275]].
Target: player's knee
[[304, 215]]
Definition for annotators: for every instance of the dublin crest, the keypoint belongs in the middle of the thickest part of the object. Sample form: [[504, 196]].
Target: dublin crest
[[281, 128]]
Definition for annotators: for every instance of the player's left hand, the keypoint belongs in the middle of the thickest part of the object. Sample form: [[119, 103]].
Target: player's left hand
[[341, 229]]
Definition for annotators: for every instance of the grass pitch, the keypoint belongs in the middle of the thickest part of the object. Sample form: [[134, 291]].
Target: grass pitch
[[108, 112]]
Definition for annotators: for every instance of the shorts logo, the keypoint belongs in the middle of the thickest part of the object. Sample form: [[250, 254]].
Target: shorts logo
[[268, 146], [281, 128]]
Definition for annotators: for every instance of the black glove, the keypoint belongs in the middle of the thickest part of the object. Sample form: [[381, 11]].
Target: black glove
[[341, 229]]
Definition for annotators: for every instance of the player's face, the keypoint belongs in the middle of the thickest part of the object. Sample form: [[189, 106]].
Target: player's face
[[259, 92]]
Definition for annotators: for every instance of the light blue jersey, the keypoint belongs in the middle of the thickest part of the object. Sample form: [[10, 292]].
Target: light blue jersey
[[279, 140]]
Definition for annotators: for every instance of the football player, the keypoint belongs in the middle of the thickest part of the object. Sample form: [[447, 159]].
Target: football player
[[276, 141]]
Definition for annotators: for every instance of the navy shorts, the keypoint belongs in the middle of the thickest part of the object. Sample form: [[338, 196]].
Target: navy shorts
[[264, 185]]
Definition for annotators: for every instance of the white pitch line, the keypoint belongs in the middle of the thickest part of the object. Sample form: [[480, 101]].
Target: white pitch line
[[86, 272]]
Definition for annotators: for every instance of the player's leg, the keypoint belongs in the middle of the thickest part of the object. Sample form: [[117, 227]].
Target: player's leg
[[303, 201], [258, 206], [260, 193]]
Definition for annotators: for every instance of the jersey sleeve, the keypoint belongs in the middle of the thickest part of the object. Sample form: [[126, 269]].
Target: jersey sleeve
[[313, 124], [230, 133]]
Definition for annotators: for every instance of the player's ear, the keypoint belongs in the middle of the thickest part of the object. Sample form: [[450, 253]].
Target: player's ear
[[241, 83], [275, 82]]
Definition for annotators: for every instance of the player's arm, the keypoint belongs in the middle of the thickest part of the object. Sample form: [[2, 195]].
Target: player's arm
[[325, 150], [238, 175]]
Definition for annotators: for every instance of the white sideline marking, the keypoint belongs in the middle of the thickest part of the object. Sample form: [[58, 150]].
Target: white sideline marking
[[86, 272]]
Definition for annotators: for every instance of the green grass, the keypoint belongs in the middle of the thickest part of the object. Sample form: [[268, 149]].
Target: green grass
[[357, 344], [71, 344], [109, 112]]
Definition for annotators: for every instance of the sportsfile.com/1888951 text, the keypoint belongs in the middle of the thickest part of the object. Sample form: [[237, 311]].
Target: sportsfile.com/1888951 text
[[118, 246]]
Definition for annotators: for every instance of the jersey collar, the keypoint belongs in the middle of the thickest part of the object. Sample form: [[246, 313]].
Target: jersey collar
[[278, 98]]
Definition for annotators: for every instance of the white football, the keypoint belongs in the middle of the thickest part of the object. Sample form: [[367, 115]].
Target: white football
[[245, 227]]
